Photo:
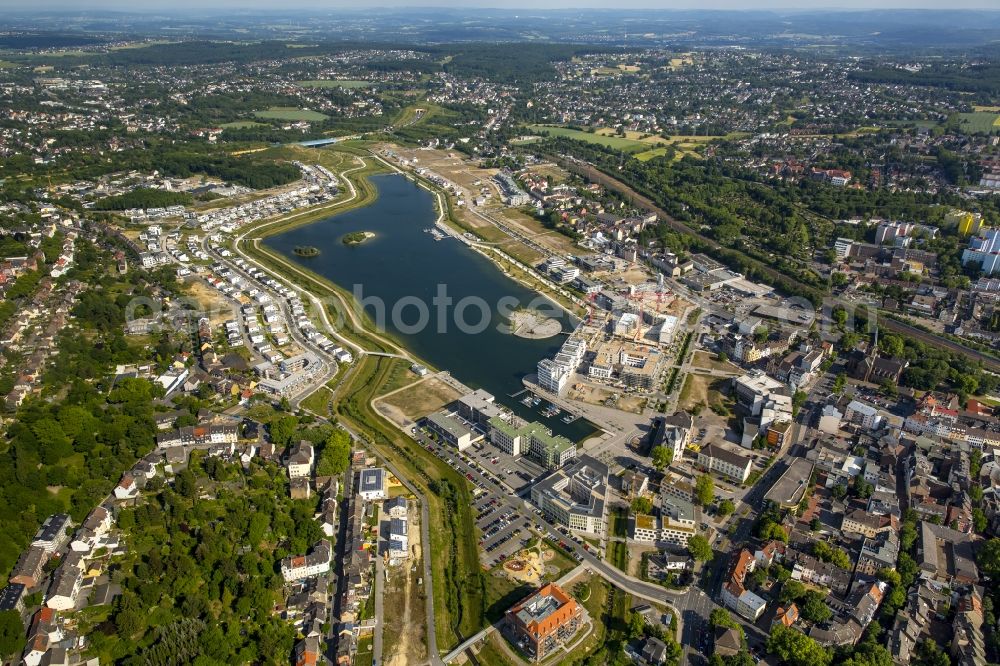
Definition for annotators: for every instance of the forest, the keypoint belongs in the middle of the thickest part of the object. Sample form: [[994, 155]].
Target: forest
[[979, 78], [201, 575], [143, 197], [66, 452]]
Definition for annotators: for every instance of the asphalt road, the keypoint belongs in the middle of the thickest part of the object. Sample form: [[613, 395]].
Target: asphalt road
[[379, 605]]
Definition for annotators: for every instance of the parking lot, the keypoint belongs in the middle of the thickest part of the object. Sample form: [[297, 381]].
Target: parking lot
[[499, 512], [504, 530], [502, 511]]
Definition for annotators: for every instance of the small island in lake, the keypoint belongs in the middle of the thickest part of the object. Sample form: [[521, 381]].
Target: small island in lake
[[306, 251], [357, 237]]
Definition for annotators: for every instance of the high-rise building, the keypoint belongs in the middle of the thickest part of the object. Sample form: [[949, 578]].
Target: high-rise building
[[967, 223], [985, 251]]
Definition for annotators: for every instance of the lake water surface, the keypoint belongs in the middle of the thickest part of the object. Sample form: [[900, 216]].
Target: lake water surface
[[403, 266]]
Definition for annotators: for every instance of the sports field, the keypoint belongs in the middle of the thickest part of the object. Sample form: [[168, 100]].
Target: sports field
[[617, 142]]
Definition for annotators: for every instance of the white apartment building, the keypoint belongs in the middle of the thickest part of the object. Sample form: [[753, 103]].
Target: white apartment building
[[297, 567], [727, 463], [862, 415]]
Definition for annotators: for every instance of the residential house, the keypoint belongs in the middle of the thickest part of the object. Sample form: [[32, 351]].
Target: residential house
[[734, 593], [300, 460]]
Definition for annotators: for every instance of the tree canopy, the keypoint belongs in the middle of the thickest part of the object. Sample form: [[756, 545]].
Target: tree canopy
[[704, 490], [794, 648]]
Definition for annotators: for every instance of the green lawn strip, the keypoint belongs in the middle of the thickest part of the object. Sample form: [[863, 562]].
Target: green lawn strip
[[502, 593], [597, 608], [457, 578], [364, 654], [617, 522], [291, 114], [618, 555], [616, 142], [562, 559]]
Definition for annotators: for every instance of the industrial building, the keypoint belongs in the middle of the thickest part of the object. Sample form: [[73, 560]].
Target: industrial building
[[478, 407], [789, 489], [451, 430]]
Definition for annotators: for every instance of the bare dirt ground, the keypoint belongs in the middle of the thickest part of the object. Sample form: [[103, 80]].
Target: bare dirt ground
[[533, 229], [416, 401], [409, 647], [557, 173], [635, 559], [211, 301], [534, 326], [693, 392], [599, 395], [702, 359]]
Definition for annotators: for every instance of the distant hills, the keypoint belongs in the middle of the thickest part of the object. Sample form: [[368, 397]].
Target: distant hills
[[896, 30]]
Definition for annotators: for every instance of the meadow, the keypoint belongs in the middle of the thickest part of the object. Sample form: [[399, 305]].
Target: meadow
[[290, 114]]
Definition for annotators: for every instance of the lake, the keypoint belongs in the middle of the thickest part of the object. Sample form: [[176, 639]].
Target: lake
[[432, 286]]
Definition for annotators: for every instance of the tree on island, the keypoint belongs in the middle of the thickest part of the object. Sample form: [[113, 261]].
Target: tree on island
[[356, 237]]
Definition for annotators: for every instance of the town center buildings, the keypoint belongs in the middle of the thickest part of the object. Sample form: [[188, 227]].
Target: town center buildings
[[575, 496]]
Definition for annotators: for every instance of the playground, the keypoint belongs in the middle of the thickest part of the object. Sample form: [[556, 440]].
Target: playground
[[530, 565]]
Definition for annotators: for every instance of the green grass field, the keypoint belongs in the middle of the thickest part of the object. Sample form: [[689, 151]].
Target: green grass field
[[334, 83], [290, 113], [459, 603], [616, 142], [979, 121], [647, 155], [242, 124]]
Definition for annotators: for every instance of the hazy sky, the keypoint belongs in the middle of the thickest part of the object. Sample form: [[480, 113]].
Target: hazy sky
[[154, 5]]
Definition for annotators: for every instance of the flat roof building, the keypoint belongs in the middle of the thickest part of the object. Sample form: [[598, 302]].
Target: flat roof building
[[755, 389], [515, 437], [478, 407], [575, 496], [372, 484], [452, 430], [790, 487]]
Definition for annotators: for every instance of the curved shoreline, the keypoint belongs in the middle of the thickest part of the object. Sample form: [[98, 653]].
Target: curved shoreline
[[361, 326]]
